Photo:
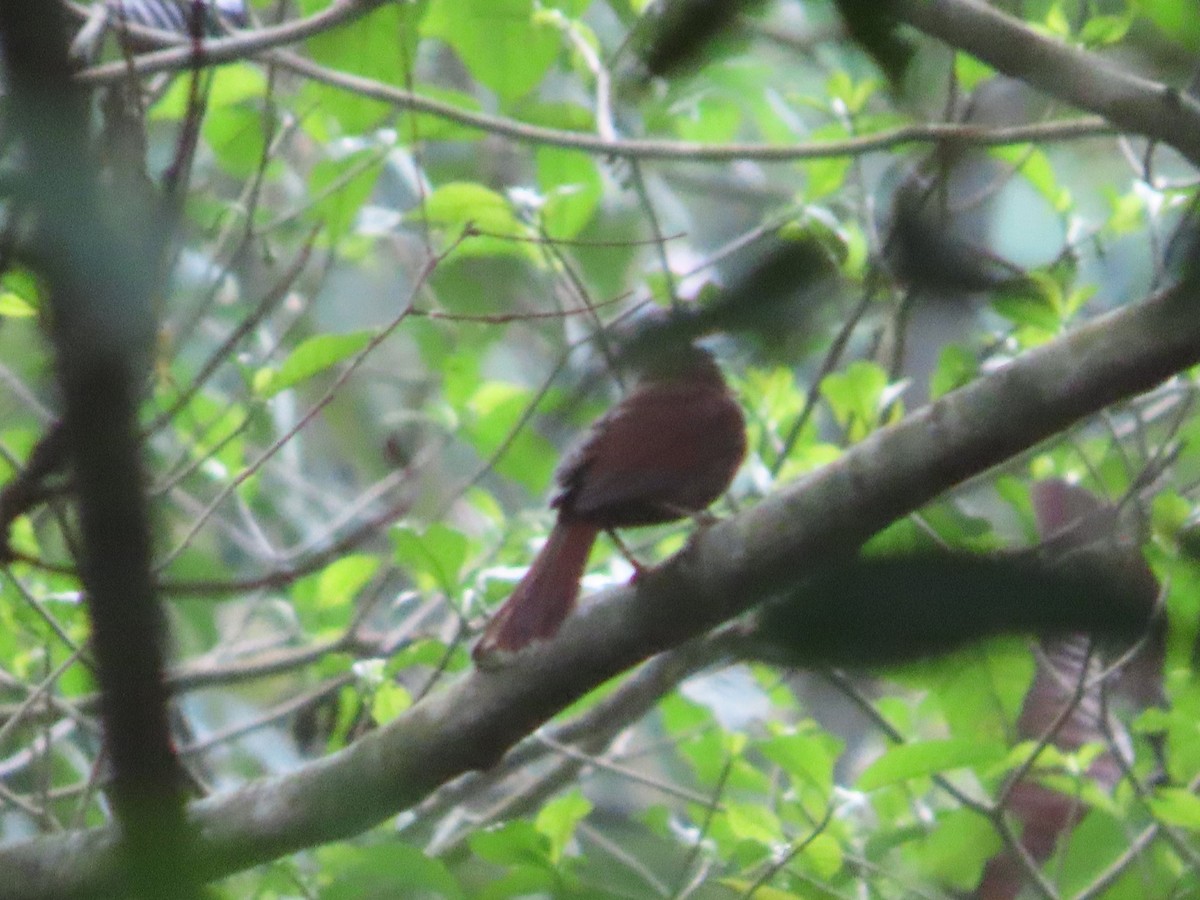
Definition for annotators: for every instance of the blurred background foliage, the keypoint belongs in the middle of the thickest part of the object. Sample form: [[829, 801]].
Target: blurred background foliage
[[378, 338]]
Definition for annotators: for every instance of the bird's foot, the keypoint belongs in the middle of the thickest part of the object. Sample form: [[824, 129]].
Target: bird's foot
[[639, 570]]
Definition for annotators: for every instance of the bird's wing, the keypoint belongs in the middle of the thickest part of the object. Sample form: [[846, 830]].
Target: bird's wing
[[667, 449]]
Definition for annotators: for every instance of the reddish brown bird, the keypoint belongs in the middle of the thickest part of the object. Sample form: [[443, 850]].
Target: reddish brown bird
[[666, 451]]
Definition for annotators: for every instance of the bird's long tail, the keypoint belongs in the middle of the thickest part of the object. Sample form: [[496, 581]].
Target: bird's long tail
[[545, 596]]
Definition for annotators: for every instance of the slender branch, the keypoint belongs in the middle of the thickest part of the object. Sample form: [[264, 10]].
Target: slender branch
[[684, 151], [245, 46]]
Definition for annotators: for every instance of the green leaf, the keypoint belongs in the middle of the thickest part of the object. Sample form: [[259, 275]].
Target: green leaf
[[230, 85], [354, 871], [977, 690], [312, 357], [380, 45], [955, 527], [434, 557], [1183, 731], [856, 396], [742, 888], [340, 581], [569, 7], [460, 203], [824, 854], [213, 427], [1176, 806], [389, 700], [753, 822], [460, 206], [324, 601], [1170, 512], [460, 376], [826, 176], [970, 72], [498, 422], [1178, 21], [1034, 165], [19, 294], [558, 819], [340, 188], [572, 188], [954, 853], [1128, 213], [1032, 303], [347, 712], [808, 758], [14, 306], [708, 119], [956, 367], [502, 42], [927, 758], [512, 844], [236, 136], [1056, 22], [1090, 851], [1075, 299], [691, 726], [853, 95], [1100, 31]]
